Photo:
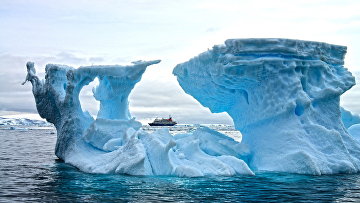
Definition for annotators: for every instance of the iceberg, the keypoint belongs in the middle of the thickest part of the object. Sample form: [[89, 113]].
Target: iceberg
[[283, 95], [22, 122], [114, 142]]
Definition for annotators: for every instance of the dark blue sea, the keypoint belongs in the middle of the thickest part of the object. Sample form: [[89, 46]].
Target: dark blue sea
[[30, 172]]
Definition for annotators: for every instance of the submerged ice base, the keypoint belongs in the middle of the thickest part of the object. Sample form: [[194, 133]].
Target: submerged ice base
[[283, 95], [115, 143]]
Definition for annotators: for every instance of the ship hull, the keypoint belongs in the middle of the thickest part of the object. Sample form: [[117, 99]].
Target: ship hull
[[161, 124]]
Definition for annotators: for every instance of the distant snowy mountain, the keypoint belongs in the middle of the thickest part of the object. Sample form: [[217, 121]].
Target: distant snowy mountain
[[22, 122]]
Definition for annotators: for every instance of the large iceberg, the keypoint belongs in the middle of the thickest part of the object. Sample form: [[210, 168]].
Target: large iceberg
[[283, 95], [114, 142]]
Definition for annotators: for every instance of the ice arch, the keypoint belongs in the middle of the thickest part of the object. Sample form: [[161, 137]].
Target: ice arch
[[115, 143], [283, 95], [57, 99]]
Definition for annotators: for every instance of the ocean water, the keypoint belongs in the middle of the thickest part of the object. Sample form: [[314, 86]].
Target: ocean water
[[30, 172]]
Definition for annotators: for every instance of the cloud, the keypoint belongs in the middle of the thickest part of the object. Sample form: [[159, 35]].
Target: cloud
[[350, 99], [152, 99], [69, 58], [107, 32], [96, 59]]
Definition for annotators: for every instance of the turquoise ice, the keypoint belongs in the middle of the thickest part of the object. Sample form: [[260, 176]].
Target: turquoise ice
[[114, 142], [283, 95]]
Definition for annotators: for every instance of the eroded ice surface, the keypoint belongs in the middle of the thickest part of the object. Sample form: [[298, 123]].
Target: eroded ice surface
[[115, 143], [283, 95]]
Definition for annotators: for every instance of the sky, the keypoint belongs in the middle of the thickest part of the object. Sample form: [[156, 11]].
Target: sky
[[80, 33]]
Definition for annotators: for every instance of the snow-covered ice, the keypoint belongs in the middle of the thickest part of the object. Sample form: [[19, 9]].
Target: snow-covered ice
[[22, 122], [115, 143], [283, 95]]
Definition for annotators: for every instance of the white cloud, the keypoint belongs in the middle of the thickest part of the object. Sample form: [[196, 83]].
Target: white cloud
[[106, 32]]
